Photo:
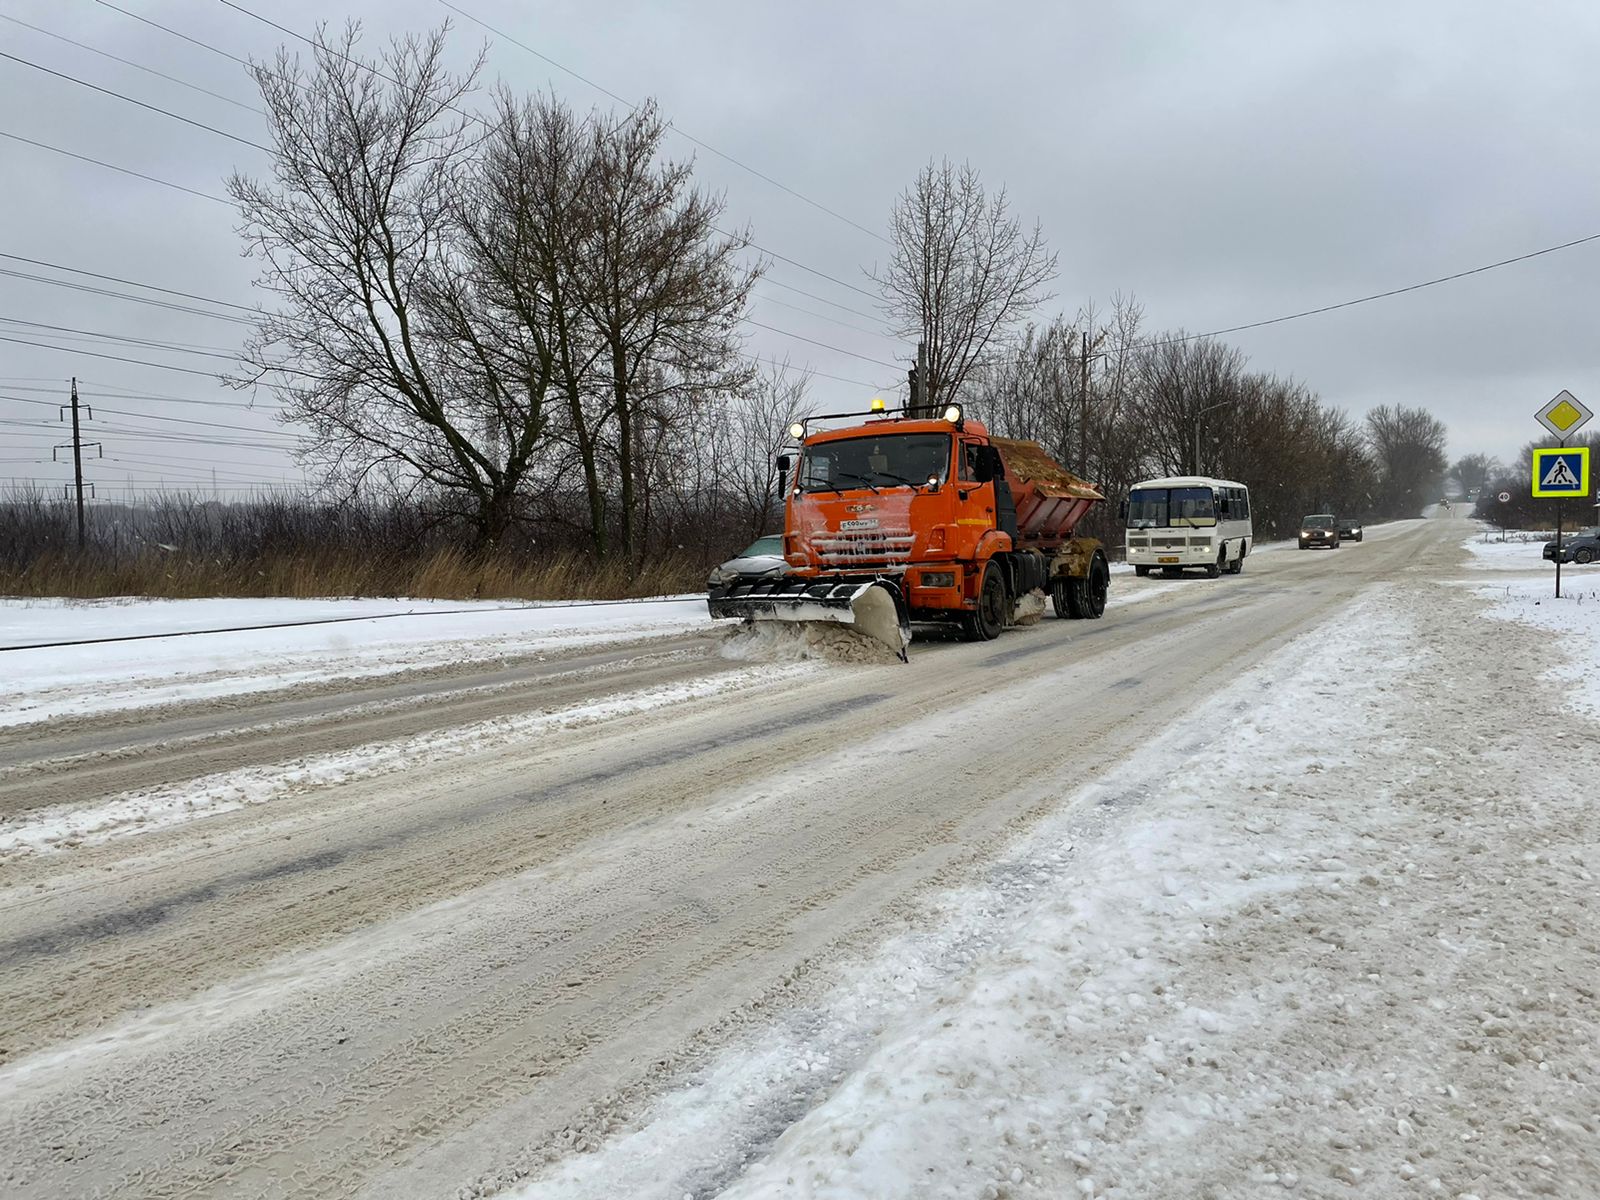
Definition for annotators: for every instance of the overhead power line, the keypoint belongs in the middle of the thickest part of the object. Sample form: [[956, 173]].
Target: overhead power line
[[1399, 291], [371, 70], [128, 62], [681, 132], [111, 392], [142, 362], [149, 287], [130, 100], [771, 282], [166, 305], [878, 333], [16, 137], [812, 341], [182, 36], [65, 333]]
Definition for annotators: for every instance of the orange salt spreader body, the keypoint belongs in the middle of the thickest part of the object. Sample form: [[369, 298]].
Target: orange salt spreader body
[[900, 519]]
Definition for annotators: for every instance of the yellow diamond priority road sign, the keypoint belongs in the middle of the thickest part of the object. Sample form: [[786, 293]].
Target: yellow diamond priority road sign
[[1564, 415]]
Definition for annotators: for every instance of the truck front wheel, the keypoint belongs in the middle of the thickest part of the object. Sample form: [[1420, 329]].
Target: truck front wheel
[[985, 624]]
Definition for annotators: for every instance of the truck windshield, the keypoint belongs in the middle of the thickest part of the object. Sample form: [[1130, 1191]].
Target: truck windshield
[[882, 461], [1156, 508]]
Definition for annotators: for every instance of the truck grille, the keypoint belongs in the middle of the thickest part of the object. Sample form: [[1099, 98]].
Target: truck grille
[[869, 546]]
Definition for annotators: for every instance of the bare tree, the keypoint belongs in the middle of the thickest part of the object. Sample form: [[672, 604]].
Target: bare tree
[[963, 272], [610, 260], [759, 421], [1473, 471], [1408, 448], [374, 343], [661, 290]]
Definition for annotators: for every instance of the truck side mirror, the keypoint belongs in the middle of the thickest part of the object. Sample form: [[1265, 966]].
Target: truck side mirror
[[987, 465], [1122, 512], [784, 463]]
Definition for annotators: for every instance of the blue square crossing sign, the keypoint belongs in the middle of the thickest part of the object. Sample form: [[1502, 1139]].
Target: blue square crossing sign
[[1561, 472]]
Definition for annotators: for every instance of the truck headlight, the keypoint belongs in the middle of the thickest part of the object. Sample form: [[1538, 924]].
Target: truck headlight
[[937, 579]]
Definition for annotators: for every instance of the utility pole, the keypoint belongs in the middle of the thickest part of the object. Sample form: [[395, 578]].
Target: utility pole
[[77, 453], [1089, 349], [919, 383], [1197, 418]]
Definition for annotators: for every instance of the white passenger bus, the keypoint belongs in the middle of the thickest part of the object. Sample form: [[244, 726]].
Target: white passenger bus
[[1188, 521]]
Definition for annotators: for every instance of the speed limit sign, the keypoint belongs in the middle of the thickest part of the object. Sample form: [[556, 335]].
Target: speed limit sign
[[1505, 497]]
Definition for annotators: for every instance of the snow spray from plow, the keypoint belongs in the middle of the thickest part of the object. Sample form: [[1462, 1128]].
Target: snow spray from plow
[[873, 607]]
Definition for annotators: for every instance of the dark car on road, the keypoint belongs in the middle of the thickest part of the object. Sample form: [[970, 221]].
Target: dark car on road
[[1319, 529], [1582, 546], [1350, 530]]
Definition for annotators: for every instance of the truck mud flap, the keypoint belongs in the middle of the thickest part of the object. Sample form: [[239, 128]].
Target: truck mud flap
[[874, 607]]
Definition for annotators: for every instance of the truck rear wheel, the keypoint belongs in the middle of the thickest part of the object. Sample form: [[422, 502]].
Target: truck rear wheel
[[985, 624], [1084, 599]]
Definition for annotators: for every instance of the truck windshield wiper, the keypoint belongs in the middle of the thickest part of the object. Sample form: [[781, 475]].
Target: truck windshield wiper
[[896, 478], [861, 479]]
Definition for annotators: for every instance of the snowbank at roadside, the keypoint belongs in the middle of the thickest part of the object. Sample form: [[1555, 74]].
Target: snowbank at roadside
[[1573, 623], [370, 637]]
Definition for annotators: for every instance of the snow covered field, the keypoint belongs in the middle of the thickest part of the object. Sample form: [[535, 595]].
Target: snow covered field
[[369, 639], [365, 639]]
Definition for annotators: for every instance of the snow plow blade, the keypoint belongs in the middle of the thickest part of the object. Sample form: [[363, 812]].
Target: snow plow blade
[[872, 606]]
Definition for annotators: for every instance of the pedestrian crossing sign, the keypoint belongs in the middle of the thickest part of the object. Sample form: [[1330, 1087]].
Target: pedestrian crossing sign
[[1561, 472]]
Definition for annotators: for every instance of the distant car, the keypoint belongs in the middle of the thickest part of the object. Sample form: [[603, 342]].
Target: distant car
[[1319, 529], [1350, 528], [761, 559], [1580, 547]]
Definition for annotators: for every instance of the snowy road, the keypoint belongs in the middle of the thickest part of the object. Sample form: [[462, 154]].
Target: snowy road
[[407, 935]]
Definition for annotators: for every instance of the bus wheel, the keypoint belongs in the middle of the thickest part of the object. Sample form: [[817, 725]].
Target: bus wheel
[[1237, 565], [1141, 570], [985, 624], [1215, 569]]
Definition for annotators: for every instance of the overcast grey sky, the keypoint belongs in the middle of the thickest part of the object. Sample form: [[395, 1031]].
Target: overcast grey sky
[[1224, 163]]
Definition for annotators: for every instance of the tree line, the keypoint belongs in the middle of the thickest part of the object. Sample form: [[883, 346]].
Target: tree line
[[512, 329], [527, 318]]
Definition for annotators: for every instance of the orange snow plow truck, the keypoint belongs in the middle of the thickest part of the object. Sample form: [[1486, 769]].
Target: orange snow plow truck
[[901, 518]]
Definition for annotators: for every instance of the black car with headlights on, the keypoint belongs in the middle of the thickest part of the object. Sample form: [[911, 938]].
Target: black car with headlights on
[[1319, 529], [1349, 529], [1582, 547]]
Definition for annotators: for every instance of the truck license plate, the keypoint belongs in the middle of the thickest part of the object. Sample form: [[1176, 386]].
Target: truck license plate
[[860, 523], [1167, 558]]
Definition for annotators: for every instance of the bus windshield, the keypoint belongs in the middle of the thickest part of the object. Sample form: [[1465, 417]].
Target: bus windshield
[[1156, 508], [882, 461]]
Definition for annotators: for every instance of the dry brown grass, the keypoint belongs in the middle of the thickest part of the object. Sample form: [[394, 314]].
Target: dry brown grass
[[442, 575]]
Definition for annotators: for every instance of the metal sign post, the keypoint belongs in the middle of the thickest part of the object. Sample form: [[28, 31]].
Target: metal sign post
[[1561, 472], [1505, 499]]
